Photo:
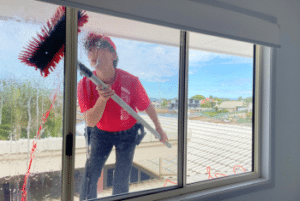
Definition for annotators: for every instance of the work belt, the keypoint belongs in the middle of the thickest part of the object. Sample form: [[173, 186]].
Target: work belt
[[139, 128]]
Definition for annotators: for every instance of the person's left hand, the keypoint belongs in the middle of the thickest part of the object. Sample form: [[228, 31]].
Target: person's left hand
[[164, 137]]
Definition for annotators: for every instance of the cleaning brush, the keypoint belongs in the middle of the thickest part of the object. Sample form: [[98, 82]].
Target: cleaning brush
[[45, 51]]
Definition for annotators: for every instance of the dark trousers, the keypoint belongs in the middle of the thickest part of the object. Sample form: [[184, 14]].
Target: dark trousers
[[101, 144]]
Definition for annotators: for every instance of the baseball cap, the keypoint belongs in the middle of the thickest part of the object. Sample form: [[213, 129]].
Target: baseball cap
[[98, 40]]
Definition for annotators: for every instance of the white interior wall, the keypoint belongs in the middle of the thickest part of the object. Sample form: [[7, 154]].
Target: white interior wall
[[285, 104]]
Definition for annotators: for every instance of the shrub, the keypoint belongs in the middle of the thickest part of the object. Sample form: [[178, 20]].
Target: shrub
[[211, 114], [222, 111], [249, 114], [4, 131]]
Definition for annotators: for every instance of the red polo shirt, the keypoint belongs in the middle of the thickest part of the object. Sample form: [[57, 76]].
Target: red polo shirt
[[115, 118]]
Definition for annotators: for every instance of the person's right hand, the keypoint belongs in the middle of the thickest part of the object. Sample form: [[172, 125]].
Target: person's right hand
[[105, 94]]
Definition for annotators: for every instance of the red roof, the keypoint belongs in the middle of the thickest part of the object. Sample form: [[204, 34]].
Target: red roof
[[207, 99]]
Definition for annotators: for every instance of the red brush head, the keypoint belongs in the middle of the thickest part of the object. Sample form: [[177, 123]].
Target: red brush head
[[45, 51]]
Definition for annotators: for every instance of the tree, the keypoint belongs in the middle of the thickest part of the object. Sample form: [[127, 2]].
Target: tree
[[198, 97], [20, 114], [164, 103], [240, 98], [219, 100], [248, 100], [216, 108], [206, 105]]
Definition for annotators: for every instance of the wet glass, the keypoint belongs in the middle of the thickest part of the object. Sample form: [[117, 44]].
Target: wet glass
[[31, 108], [219, 108], [146, 57]]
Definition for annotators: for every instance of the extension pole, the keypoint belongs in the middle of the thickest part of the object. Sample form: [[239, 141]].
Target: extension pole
[[89, 74]]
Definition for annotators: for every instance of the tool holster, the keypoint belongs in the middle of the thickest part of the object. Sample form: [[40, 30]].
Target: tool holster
[[140, 133]]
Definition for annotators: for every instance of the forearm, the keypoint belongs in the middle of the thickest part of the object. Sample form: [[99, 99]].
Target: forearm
[[153, 116], [94, 114]]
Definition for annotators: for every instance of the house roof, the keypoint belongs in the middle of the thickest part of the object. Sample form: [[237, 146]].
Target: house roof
[[218, 146], [230, 104], [206, 99]]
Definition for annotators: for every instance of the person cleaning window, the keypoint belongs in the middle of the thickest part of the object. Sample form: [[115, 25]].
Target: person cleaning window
[[109, 124]]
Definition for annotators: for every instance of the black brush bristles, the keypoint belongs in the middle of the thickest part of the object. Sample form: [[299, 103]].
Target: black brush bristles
[[45, 51]]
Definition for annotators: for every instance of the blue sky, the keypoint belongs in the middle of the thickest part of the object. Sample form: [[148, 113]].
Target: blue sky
[[156, 65]]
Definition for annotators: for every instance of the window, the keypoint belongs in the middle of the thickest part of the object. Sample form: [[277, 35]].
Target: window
[[220, 122], [156, 66], [151, 53], [216, 69], [31, 110]]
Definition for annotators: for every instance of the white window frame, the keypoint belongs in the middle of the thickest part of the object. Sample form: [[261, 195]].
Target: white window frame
[[263, 175]]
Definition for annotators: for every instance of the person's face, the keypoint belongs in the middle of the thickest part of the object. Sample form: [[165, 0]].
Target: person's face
[[101, 58]]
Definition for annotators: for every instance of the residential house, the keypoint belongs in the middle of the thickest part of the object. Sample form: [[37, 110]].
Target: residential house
[[231, 106], [156, 102], [173, 104], [206, 99], [245, 107], [203, 101], [193, 103]]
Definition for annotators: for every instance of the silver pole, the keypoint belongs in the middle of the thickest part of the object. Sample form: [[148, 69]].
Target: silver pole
[[118, 100]]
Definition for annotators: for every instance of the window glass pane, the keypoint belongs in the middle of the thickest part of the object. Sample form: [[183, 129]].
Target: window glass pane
[[30, 108], [219, 108], [146, 73]]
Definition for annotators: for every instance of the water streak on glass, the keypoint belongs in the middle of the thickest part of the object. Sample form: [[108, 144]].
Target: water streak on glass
[[26, 99], [144, 55]]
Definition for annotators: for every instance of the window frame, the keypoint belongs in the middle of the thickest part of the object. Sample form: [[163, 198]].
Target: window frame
[[262, 176]]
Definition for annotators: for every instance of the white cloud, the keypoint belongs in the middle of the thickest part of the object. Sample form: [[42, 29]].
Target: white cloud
[[150, 62], [235, 59], [157, 63], [17, 35]]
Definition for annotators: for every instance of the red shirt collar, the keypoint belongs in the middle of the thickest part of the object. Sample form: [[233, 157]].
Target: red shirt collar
[[116, 79]]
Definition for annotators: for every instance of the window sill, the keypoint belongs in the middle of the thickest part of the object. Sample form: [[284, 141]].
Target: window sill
[[225, 192]]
